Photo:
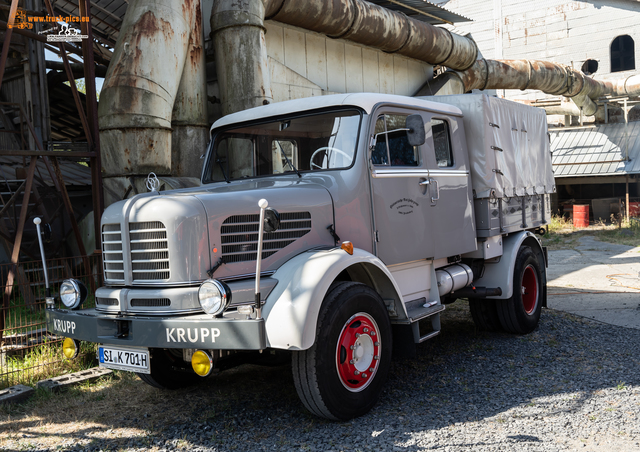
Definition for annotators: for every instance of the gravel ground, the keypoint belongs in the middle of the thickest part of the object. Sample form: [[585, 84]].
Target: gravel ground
[[573, 384]]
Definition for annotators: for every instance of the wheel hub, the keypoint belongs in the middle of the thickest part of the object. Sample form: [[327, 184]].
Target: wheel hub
[[358, 352]]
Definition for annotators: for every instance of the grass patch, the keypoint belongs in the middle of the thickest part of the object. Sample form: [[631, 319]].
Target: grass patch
[[45, 361], [562, 235]]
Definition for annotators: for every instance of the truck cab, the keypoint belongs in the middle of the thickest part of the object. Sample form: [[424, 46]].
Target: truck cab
[[327, 230]]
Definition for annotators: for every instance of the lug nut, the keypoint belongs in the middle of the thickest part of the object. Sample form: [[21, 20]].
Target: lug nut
[[366, 330], [364, 375], [377, 344], [356, 373], [352, 362], [371, 369], [353, 347], [373, 333], [357, 335], [376, 357]]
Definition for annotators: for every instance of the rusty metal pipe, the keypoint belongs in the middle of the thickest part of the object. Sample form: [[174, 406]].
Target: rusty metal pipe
[[241, 54], [375, 26], [141, 86], [547, 77]]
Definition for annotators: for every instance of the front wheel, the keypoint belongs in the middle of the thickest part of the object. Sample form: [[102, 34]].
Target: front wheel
[[168, 371], [342, 375], [520, 314]]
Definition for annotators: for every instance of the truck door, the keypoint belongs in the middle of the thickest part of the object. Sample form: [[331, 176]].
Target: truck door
[[399, 182], [450, 196]]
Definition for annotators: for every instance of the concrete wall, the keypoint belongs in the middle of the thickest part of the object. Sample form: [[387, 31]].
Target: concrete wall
[[336, 66], [567, 32]]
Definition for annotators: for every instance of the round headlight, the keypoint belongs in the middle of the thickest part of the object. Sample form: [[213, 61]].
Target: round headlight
[[72, 293], [214, 296]]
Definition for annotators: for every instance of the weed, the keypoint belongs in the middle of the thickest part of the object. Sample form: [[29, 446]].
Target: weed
[[621, 386]]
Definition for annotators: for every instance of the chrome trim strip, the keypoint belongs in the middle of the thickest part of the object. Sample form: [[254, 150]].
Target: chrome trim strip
[[388, 173], [155, 313], [383, 173]]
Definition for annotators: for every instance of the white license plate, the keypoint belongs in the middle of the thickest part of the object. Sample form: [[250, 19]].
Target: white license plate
[[124, 359]]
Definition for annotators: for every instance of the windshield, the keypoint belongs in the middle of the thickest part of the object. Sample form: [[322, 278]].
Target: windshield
[[305, 143]]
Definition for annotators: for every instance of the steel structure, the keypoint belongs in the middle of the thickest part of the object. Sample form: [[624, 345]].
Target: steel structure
[[26, 138]]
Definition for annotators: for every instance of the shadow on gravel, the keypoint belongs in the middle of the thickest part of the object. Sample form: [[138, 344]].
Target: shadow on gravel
[[461, 376]]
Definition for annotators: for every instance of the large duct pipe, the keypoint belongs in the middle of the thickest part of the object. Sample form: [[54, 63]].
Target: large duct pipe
[[241, 54], [154, 49], [374, 26], [547, 77]]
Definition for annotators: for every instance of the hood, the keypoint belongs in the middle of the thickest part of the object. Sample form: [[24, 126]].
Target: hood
[[305, 210], [175, 237]]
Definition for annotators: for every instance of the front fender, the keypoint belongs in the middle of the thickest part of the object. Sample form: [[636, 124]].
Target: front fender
[[500, 274], [291, 309]]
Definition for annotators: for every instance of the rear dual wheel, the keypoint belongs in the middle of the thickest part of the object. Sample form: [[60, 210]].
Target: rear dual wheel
[[519, 314], [342, 375]]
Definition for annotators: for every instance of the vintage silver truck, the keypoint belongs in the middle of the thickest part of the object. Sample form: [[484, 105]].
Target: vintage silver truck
[[330, 231]]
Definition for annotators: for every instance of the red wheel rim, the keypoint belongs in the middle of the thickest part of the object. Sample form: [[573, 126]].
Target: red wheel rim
[[358, 352], [529, 289]]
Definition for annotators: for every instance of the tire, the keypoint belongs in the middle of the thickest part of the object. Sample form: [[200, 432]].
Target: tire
[[520, 314], [168, 371], [485, 314], [334, 380]]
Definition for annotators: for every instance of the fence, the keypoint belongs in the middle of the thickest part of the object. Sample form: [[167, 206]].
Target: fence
[[28, 353]]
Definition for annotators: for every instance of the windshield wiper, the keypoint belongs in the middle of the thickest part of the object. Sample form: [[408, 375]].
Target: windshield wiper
[[287, 159], [219, 162]]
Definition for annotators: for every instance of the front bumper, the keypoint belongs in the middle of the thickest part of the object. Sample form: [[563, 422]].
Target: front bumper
[[193, 331]]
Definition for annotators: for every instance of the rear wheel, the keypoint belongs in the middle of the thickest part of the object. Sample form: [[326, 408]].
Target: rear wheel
[[485, 314], [520, 314], [168, 371], [342, 375]]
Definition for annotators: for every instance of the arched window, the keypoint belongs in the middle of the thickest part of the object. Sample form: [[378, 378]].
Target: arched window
[[623, 54]]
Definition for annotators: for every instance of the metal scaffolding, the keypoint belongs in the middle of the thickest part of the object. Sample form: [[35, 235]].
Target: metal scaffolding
[[27, 125]]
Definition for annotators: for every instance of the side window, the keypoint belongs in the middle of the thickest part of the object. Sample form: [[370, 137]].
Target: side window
[[623, 54], [442, 143], [392, 147]]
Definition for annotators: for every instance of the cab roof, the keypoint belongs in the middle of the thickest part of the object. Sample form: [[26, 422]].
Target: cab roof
[[365, 101]]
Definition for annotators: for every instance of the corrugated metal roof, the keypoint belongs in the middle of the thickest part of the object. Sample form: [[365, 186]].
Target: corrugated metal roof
[[106, 17], [599, 151], [73, 173], [433, 14]]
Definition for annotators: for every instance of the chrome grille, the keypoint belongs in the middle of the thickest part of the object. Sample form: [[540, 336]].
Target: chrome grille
[[150, 302], [112, 258], [239, 235], [149, 251]]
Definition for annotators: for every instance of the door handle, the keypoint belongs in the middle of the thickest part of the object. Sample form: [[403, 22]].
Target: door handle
[[434, 199]]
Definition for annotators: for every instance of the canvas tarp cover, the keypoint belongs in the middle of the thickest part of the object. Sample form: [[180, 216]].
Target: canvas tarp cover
[[510, 157]]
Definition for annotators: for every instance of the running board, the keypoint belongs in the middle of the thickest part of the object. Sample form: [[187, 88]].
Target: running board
[[417, 311], [426, 337]]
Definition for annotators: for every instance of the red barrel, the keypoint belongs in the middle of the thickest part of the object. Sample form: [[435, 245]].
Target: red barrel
[[580, 215], [634, 209]]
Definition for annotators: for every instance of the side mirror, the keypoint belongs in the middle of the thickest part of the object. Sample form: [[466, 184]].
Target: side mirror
[[415, 134]]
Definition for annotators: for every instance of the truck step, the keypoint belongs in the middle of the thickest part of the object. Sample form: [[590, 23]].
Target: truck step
[[426, 337], [416, 310]]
